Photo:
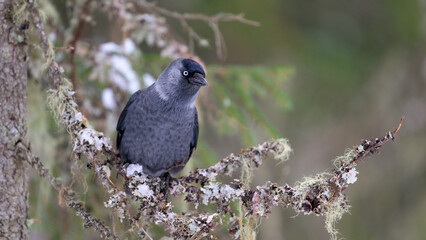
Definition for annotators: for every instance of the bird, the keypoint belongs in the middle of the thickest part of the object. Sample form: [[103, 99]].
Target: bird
[[158, 127]]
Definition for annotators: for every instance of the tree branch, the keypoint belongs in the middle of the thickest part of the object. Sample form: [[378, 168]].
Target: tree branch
[[321, 194], [65, 194], [212, 22], [82, 14]]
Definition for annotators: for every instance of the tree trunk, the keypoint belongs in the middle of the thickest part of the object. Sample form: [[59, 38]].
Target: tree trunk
[[13, 121]]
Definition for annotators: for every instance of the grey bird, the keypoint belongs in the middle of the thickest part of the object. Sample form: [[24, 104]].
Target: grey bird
[[158, 128]]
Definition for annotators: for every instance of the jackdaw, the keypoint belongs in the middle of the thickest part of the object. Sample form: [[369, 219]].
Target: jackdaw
[[158, 128]]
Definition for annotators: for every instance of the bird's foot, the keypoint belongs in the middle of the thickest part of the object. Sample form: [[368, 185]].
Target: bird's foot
[[165, 186]]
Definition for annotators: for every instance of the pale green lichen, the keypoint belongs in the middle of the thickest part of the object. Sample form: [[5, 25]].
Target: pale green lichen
[[47, 8], [20, 13], [345, 158], [61, 103], [333, 214], [284, 150], [336, 204], [247, 226], [50, 57], [281, 153], [308, 182], [57, 99]]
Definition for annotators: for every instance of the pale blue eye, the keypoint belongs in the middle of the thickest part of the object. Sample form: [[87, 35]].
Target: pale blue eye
[[185, 73]]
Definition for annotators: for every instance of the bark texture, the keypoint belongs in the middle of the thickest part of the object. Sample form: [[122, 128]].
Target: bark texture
[[13, 123]]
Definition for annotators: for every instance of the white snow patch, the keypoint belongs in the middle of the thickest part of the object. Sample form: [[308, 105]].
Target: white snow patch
[[109, 47], [93, 138], [360, 148], [128, 46], [52, 36], [210, 175], [193, 227], [149, 18], [210, 191], [143, 191], [227, 192], [78, 117], [70, 93], [350, 176], [133, 169], [211, 217], [108, 99], [122, 74], [87, 135], [73, 103]]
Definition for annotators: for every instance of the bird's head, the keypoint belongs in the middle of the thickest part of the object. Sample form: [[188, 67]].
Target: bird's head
[[181, 80]]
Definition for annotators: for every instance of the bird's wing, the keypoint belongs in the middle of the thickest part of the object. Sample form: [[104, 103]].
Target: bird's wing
[[121, 127], [193, 143]]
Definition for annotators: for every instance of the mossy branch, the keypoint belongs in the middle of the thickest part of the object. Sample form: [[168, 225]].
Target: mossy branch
[[66, 195]]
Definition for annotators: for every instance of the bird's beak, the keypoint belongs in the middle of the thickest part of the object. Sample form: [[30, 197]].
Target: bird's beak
[[198, 80]]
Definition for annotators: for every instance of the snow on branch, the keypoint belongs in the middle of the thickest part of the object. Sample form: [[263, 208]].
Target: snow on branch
[[322, 194], [66, 195]]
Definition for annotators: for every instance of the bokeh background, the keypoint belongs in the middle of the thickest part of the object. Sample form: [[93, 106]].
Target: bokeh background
[[324, 74]]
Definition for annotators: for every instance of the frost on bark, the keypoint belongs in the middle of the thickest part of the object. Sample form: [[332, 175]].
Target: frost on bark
[[13, 123]]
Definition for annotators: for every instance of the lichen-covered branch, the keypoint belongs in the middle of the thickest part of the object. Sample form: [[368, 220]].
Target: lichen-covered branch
[[82, 13], [252, 156], [61, 101], [90, 221], [322, 194], [66, 195]]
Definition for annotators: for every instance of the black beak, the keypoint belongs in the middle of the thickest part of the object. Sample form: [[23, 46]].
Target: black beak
[[198, 80]]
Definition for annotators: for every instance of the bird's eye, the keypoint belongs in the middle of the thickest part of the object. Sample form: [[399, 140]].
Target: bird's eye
[[185, 73]]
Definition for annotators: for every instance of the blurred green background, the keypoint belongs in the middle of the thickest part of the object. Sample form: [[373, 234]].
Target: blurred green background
[[346, 70]]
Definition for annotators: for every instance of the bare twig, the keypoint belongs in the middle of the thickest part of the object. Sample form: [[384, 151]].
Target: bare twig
[[212, 21], [54, 69], [82, 14], [399, 125]]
